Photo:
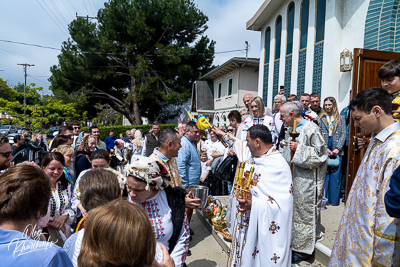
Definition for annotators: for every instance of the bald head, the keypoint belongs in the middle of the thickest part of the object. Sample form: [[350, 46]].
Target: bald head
[[246, 100]]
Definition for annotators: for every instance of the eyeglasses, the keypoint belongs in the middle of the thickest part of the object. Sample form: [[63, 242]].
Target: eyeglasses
[[230, 130], [6, 154], [76, 127]]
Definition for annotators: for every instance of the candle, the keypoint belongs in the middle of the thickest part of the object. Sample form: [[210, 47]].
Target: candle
[[294, 126]]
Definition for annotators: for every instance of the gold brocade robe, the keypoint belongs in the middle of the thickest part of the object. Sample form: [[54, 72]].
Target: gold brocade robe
[[172, 168], [367, 235]]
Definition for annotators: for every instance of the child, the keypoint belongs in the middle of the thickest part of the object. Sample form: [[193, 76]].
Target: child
[[204, 169]]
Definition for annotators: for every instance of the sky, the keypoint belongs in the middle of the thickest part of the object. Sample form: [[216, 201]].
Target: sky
[[45, 23]]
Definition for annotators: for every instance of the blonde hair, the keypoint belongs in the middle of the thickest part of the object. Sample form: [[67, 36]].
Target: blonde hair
[[260, 106], [66, 150], [118, 233], [335, 112], [35, 137], [138, 139]]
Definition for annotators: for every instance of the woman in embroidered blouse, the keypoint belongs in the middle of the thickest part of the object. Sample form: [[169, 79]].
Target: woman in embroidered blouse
[[257, 111], [147, 185], [82, 160], [68, 153], [333, 128], [61, 214]]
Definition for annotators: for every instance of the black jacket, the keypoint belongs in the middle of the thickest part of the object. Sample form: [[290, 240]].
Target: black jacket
[[176, 201]]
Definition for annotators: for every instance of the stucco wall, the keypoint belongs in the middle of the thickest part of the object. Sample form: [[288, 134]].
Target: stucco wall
[[344, 28]]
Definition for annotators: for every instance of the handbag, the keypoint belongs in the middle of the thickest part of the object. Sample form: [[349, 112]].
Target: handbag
[[333, 162]]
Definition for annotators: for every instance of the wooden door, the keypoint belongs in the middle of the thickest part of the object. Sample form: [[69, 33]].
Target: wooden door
[[366, 64]]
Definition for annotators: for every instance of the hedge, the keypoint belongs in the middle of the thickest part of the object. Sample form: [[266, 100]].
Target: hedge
[[105, 131]]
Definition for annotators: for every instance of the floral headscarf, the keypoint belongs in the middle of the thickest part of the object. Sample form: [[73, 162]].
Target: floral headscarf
[[149, 171], [84, 144]]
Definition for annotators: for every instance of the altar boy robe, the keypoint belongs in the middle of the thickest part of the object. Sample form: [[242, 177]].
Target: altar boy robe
[[262, 237]]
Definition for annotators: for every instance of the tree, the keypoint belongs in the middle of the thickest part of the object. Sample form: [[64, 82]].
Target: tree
[[43, 109], [138, 53]]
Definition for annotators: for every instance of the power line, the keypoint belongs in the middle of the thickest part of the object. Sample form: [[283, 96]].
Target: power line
[[51, 18], [90, 4], [67, 10], [58, 11], [33, 77], [52, 12], [85, 6], [83, 52]]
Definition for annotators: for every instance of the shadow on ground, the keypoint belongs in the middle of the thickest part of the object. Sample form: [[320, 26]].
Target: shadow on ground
[[202, 263]]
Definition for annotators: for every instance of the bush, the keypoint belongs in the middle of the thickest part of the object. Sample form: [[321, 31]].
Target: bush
[[105, 131]]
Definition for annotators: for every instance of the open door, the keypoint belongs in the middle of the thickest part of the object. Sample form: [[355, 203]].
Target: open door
[[366, 64]]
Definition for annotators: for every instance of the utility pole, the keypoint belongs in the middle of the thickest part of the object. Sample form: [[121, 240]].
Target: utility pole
[[87, 17], [247, 48], [25, 65]]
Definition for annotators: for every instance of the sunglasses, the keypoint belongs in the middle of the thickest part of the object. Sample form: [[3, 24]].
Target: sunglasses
[[6, 154], [76, 127], [230, 130]]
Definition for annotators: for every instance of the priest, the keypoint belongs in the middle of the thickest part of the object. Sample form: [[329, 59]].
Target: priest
[[309, 164], [261, 225]]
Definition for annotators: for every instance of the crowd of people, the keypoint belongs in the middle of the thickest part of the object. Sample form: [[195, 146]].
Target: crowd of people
[[127, 201]]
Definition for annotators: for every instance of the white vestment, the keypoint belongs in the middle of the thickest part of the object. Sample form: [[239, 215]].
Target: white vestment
[[262, 237]]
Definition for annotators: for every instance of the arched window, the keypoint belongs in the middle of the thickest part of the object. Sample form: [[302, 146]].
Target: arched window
[[290, 28], [267, 44], [301, 75], [289, 48], [320, 21], [319, 46], [217, 120], [278, 37], [304, 24], [266, 63], [223, 122]]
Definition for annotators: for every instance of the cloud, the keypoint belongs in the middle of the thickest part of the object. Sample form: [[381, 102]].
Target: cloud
[[26, 21]]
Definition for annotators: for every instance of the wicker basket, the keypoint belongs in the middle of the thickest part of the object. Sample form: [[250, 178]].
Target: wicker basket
[[227, 236], [218, 223]]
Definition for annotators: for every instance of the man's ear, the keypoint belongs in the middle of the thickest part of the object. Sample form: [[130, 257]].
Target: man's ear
[[377, 111]]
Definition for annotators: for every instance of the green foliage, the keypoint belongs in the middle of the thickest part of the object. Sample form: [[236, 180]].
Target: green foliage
[[137, 53], [104, 131], [39, 109]]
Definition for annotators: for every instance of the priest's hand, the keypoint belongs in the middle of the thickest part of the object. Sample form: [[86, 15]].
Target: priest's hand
[[245, 204], [293, 145], [218, 131], [192, 203]]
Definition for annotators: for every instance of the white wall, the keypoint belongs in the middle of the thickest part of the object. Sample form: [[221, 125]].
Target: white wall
[[344, 28]]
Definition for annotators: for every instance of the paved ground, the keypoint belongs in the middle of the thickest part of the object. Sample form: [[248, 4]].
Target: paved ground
[[206, 252]]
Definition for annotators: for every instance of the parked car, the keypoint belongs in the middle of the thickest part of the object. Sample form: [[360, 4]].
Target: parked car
[[8, 129], [53, 129]]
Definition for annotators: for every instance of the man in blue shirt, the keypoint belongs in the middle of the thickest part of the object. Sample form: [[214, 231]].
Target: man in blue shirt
[[188, 159], [110, 141], [189, 164]]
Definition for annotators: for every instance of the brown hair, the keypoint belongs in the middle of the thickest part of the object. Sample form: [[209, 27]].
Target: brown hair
[[3, 139], [335, 112], [98, 187], [315, 95], [59, 140], [57, 156], [234, 114], [389, 70], [118, 233], [24, 190]]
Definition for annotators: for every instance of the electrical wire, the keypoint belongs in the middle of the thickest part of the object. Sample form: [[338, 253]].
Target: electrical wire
[[52, 18], [83, 52], [67, 10], [58, 11], [85, 6], [37, 79]]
